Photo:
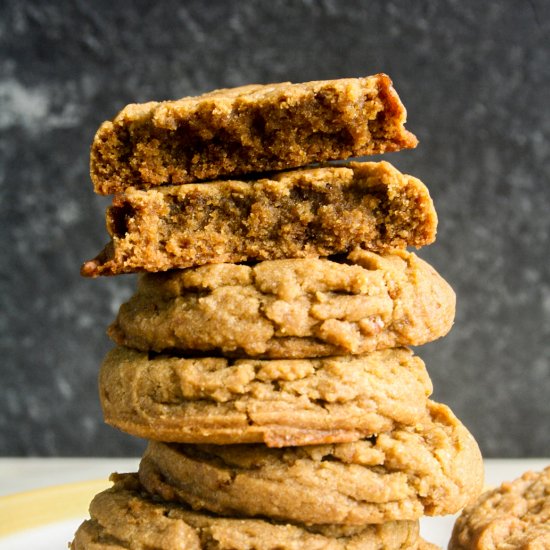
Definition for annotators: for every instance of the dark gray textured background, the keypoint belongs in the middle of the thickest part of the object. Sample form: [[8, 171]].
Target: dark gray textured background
[[475, 78]]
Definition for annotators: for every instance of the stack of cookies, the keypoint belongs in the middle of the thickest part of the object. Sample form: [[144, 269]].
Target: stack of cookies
[[264, 355]]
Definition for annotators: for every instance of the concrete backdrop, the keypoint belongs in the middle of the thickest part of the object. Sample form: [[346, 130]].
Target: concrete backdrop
[[475, 78]]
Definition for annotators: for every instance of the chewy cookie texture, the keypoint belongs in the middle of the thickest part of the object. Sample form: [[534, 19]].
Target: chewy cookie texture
[[280, 402], [125, 516], [254, 128], [303, 213], [514, 515], [290, 308], [432, 468]]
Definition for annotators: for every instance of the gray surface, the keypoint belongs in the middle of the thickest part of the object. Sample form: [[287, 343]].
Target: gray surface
[[475, 77]]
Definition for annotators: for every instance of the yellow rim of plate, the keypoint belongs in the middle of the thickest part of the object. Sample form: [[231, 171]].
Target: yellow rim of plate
[[29, 509]]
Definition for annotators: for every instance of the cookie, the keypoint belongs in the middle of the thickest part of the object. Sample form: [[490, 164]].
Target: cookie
[[278, 402], [126, 517], [290, 308], [513, 516], [300, 214], [253, 128], [434, 468]]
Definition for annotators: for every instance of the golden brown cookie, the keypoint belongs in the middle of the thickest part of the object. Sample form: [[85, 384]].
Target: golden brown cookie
[[300, 214], [290, 308], [433, 468], [253, 128], [515, 515], [279, 402], [126, 517]]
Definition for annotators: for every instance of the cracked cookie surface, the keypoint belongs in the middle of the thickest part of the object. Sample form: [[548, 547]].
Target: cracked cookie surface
[[515, 515], [290, 308], [279, 402], [299, 214], [434, 468], [125, 516], [253, 128]]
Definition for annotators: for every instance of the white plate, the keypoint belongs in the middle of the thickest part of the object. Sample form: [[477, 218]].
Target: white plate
[[45, 518], [54, 536]]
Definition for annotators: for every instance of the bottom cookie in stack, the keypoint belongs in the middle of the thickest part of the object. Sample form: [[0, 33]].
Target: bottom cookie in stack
[[126, 516]]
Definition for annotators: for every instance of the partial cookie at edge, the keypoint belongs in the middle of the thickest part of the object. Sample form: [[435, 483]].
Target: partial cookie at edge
[[514, 515]]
